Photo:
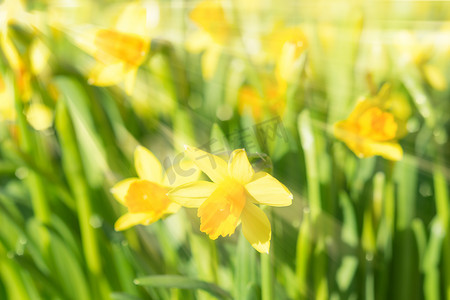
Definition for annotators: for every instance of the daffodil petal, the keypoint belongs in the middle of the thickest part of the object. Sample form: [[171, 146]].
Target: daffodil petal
[[215, 167], [391, 151], [269, 191], [256, 227], [435, 77], [239, 167], [105, 75], [85, 39], [11, 53], [172, 208], [210, 60], [181, 173], [120, 189], [133, 20], [147, 165], [39, 54], [192, 194], [39, 116], [129, 220]]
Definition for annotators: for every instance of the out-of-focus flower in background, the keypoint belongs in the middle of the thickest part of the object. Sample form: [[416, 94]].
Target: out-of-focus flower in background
[[374, 126], [146, 197], [284, 46], [119, 50], [232, 197], [271, 103], [7, 110], [425, 54], [12, 11], [282, 50], [39, 116], [213, 36], [11, 53], [209, 15], [31, 60]]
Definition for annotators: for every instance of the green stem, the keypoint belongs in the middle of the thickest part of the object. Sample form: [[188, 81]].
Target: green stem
[[320, 260], [406, 275], [72, 164], [442, 207], [34, 182], [245, 268], [214, 261], [10, 275], [167, 247], [303, 256], [267, 273], [384, 237]]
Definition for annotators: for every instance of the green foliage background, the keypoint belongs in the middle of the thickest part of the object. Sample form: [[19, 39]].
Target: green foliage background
[[357, 229]]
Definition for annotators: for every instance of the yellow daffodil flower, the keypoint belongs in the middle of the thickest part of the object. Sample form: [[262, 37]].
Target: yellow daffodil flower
[[284, 45], [146, 197], [213, 35], [119, 50], [210, 17], [372, 128], [232, 197], [272, 103]]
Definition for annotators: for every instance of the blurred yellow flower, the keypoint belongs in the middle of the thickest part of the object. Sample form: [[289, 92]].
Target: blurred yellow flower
[[12, 11], [146, 197], [232, 197], [424, 53], [215, 32], [16, 63], [7, 109], [39, 56], [119, 50], [434, 76], [210, 17], [284, 45], [39, 116], [271, 103], [372, 129]]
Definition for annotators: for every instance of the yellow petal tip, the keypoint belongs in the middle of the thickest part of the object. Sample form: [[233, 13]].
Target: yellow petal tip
[[118, 228]]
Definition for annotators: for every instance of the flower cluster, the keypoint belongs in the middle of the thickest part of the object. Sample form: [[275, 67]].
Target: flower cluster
[[232, 197]]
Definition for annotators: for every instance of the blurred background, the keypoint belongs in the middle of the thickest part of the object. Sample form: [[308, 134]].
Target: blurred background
[[82, 83]]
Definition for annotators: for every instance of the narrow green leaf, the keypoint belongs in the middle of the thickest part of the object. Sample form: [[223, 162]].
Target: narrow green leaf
[[218, 142], [180, 282], [93, 153], [123, 296]]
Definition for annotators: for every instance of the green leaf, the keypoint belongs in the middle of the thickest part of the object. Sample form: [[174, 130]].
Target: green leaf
[[123, 296], [218, 142], [92, 150], [181, 282]]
